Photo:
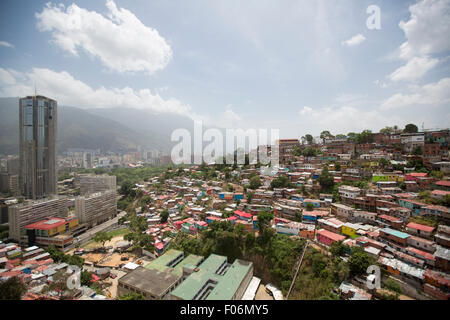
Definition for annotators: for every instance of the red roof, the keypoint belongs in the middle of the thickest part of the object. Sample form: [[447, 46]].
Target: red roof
[[243, 214], [330, 235], [231, 218], [389, 218], [420, 227], [418, 174], [424, 254], [440, 192], [8, 274], [444, 183], [95, 278], [46, 224], [315, 213]]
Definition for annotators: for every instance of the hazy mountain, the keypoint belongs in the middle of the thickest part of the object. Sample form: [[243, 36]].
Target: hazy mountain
[[145, 121], [79, 128]]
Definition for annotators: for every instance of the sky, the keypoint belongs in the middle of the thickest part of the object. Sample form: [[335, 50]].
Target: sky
[[298, 66]]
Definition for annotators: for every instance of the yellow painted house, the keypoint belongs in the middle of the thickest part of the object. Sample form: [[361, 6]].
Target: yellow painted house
[[349, 229]]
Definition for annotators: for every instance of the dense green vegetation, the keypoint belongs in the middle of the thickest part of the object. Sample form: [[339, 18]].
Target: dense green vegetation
[[132, 296], [102, 237], [281, 182], [326, 180], [59, 256], [318, 276], [12, 289], [273, 255], [139, 239]]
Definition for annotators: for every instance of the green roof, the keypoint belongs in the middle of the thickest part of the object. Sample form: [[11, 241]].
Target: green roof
[[162, 263], [191, 260], [224, 287]]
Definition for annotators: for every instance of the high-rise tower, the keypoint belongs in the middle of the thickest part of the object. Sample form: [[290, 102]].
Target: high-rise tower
[[38, 129]]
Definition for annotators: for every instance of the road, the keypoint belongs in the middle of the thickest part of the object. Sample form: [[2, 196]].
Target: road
[[82, 238]]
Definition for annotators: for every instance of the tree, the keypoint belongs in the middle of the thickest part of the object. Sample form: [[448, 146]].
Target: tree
[[102, 237], [446, 201], [326, 179], [297, 151], [12, 289], [250, 196], [126, 188], [417, 150], [164, 215], [364, 137], [281, 182], [325, 135], [310, 152], [255, 182], [309, 138], [264, 219], [309, 206], [351, 136], [383, 162], [337, 167], [339, 249], [411, 128], [359, 261], [387, 130], [86, 278]]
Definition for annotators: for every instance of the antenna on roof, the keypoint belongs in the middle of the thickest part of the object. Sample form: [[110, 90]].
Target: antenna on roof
[[35, 90]]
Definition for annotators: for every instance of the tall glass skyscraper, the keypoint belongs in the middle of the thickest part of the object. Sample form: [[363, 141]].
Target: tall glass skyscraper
[[38, 128]]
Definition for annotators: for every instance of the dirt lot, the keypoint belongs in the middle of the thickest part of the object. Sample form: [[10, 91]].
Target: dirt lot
[[261, 293], [114, 260], [93, 257], [93, 245]]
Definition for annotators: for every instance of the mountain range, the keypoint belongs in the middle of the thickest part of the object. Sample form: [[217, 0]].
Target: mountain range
[[107, 129]]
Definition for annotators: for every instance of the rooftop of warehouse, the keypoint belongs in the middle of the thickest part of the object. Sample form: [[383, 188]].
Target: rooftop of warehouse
[[227, 284]]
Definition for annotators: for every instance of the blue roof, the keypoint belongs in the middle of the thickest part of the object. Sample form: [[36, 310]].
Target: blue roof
[[396, 233]]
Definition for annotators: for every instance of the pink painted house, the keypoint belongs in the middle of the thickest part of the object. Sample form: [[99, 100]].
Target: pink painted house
[[327, 237]]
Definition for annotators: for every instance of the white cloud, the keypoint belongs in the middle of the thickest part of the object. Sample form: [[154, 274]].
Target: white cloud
[[414, 69], [6, 44], [355, 40], [120, 40], [427, 33], [67, 90], [427, 30], [341, 119], [433, 94]]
